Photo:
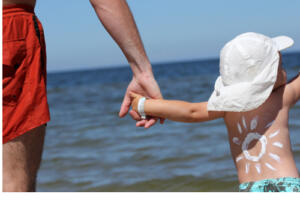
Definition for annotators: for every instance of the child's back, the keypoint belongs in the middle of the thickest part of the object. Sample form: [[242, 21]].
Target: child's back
[[252, 90], [260, 141]]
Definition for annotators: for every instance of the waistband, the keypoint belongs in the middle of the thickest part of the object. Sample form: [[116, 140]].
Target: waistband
[[283, 180], [17, 8]]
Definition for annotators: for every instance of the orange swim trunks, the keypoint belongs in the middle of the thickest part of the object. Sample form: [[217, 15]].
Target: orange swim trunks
[[24, 95]]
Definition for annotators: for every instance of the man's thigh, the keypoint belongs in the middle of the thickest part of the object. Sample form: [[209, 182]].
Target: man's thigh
[[21, 160]]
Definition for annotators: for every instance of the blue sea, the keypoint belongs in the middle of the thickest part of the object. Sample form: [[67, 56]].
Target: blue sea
[[89, 148]]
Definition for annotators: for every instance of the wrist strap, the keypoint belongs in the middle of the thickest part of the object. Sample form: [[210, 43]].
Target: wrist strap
[[140, 107]]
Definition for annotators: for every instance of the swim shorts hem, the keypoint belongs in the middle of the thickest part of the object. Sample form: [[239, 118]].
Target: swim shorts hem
[[284, 184], [22, 132]]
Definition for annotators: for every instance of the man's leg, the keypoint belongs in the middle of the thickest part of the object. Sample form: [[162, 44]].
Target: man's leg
[[21, 161]]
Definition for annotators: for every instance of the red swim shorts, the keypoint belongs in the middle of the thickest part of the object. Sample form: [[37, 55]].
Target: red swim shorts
[[24, 95]]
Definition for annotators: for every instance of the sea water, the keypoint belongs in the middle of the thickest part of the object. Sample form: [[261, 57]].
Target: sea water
[[89, 148]]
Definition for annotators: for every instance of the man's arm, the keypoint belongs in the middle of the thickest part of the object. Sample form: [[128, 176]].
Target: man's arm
[[292, 91], [117, 19], [177, 110]]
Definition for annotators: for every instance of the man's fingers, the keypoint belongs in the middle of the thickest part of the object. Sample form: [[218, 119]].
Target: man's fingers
[[125, 106], [150, 122], [134, 115], [141, 123], [133, 95]]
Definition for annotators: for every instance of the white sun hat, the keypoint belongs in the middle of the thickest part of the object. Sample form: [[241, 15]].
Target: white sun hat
[[248, 72]]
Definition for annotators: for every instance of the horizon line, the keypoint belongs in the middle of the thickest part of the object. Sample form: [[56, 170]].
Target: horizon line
[[90, 68]]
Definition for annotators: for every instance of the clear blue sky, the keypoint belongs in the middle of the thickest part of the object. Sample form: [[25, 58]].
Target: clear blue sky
[[171, 30]]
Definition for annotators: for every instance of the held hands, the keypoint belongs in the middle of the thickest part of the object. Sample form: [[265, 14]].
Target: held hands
[[135, 100], [145, 85], [138, 104]]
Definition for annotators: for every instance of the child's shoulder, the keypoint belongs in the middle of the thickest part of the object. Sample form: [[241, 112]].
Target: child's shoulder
[[278, 100], [283, 97], [291, 93]]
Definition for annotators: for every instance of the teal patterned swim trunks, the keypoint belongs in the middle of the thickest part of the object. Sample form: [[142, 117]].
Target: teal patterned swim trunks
[[287, 184]]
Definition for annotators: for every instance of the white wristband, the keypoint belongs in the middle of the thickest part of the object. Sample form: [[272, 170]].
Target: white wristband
[[140, 107]]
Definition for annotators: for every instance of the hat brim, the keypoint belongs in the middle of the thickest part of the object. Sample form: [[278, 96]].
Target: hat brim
[[244, 96], [283, 42]]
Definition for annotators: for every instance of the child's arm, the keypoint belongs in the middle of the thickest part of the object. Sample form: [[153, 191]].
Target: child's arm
[[174, 110], [292, 91]]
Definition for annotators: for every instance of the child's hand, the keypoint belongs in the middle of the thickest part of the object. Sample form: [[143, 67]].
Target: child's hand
[[135, 100]]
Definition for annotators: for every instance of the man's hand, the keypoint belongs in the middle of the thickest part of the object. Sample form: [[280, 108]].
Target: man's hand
[[144, 85]]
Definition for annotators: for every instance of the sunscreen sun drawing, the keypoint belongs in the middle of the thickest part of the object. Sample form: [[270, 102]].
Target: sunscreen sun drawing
[[252, 135]]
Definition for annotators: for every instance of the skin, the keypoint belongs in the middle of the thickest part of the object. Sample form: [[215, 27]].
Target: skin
[[28, 2], [276, 107], [117, 19], [21, 161]]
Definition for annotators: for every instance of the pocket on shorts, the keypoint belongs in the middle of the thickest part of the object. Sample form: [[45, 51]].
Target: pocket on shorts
[[14, 73], [14, 56]]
